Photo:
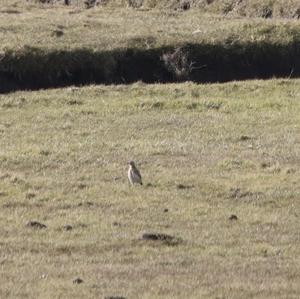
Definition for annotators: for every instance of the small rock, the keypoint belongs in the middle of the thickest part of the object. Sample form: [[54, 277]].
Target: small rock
[[156, 237], [74, 102], [44, 153], [166, 210], [233, 217], [265, 165], [181, 186], [36, 224], [163, 238], [114, 297], [90, 3], [185, 5], [87, 203], [77, 281], [58, 33], [245, 138], [68, 227]]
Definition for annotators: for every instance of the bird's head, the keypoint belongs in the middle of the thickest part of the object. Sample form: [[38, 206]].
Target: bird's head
[[131, 163]]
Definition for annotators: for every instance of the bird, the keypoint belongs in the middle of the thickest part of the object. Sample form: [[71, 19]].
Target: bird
[[134, 175]]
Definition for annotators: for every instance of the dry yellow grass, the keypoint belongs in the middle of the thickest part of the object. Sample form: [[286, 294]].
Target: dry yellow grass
[[58, 27], [206, 153], [220, 165]]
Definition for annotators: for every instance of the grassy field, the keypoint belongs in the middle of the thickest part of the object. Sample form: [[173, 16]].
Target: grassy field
[[53, 27], [220, 162], [206, 152]]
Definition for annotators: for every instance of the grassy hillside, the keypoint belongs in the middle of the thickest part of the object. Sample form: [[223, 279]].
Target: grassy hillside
[[62, 27], [249, 8], [205, 152], [46, 45]]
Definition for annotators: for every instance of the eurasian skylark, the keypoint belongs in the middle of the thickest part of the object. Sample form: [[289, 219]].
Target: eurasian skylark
[[134, 175]]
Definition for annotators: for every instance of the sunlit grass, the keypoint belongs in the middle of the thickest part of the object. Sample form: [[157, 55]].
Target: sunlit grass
[[205, 152], [58, 27]]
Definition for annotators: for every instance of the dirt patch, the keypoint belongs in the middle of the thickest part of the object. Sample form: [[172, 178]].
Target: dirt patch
[[36, 224], [78, 281], [161, 238], [233, 217], [183, 187]]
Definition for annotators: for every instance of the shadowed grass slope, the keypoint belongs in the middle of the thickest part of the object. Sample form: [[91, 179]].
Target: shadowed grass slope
[[46, 46], [34, 68], [249, 8]]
